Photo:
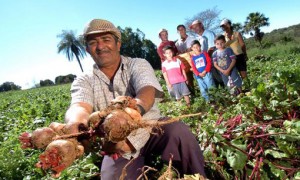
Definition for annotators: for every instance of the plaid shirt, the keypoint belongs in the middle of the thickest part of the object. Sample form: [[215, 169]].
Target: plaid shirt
[[98, 91]]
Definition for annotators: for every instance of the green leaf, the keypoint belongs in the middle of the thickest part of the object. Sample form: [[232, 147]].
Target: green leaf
[[275, 154], [277, 172], [236, 159]]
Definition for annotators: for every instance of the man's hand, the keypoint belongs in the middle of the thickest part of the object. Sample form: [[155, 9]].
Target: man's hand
[[116, 150]]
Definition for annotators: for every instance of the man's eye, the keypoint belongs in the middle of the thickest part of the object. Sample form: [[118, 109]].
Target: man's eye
[[92, 43], [107, 39]]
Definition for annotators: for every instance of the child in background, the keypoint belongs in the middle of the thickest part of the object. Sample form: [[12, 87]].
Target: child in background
[[201, 65], [224, 61], [175, 76]]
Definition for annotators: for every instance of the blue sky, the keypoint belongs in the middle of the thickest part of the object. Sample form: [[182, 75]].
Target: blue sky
[[29, 28]]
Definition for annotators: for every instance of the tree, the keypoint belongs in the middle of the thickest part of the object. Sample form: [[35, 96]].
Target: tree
[[65, 79], [134, 44], [254, 22], [46, 82], [71, 45], [238, 27], [8, 86], [209, 19], [151, 54]]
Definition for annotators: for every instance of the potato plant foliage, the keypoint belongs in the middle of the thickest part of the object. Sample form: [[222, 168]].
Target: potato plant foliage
[[255, 135]]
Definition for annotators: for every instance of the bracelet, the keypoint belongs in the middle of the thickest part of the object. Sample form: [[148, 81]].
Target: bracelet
[[142, 110]]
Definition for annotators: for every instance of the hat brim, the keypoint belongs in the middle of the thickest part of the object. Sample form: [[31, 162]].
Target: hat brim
[[191, 26], [102, 31]]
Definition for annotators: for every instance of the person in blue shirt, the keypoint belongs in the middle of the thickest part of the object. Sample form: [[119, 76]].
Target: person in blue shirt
[[201, 65]]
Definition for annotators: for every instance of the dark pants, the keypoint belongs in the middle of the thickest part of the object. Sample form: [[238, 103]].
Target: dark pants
[[178, 140], [217, 77]]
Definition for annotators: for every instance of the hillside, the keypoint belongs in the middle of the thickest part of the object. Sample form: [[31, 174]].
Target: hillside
[[283, 36]]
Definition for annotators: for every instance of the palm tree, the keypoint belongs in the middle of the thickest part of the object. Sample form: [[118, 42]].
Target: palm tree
[[238, 27], [254, 22], [71, 45]]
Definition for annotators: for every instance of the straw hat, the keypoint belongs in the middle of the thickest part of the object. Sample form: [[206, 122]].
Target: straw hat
[[195, 22], [101, 26]]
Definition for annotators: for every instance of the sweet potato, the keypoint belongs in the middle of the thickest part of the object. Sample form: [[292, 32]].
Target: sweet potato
[[41, 137], [118, 125], [59, 155], [57, 127]]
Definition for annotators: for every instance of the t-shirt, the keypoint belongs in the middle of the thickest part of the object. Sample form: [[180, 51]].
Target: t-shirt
[[97, 90], [173, 68], [182, 46], [203, 42], [210, 38], [200, 63], [223, 58], [234, 43]]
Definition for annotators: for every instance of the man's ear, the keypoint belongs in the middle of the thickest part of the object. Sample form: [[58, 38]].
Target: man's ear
[[119, 45]]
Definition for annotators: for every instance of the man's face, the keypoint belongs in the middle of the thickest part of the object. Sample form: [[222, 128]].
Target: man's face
[[197, 28], [164, 36], [181, 31], [104, 49]]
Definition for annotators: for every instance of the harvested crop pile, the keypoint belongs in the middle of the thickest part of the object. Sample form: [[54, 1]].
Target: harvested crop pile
[[113, 124], [59, 153], [41, 137]]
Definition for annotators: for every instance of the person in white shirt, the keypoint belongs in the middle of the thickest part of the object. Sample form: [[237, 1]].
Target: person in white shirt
[[198, 28], [184, 43]]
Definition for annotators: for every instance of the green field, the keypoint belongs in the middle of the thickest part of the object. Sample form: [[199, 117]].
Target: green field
[[256, 134]]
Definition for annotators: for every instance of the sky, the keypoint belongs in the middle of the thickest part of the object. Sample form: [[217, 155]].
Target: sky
[[29, 28]]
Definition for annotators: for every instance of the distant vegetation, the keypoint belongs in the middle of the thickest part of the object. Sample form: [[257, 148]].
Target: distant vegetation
[[280, 42], [10, 86]]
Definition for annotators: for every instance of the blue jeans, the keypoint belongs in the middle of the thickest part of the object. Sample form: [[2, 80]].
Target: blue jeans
[[204, 84]]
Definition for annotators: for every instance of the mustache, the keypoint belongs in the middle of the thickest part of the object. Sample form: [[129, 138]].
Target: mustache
[[99, 51]]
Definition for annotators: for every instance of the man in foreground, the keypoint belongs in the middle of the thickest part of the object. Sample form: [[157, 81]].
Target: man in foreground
[[115, 75]]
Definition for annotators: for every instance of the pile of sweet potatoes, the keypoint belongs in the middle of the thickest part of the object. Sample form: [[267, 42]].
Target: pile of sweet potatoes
[[112, 124], [58, 153], [61, 149]]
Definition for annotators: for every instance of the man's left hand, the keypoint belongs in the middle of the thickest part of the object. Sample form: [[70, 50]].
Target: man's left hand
[[116, 150]]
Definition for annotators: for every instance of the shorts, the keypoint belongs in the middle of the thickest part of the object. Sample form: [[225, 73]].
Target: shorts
[[180, 89], [241, 62]]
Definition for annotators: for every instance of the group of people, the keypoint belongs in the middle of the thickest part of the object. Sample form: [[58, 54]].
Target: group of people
[[115, 75], [212, 60]]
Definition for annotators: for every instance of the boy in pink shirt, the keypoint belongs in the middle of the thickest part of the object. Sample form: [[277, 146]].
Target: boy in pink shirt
[[175, 76]]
